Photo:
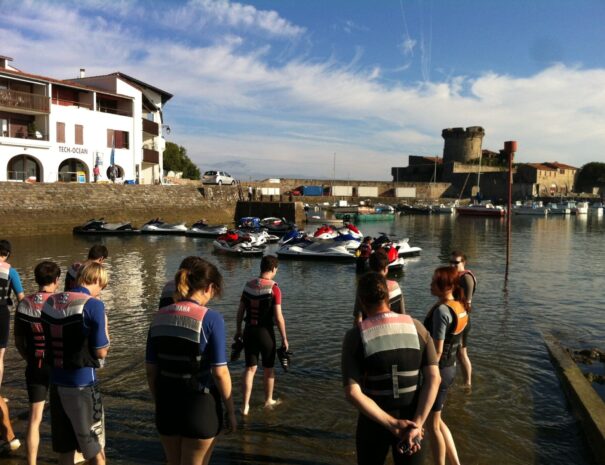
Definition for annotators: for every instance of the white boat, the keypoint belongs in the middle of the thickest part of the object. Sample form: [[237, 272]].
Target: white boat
[[483, 209], [581, 208], [558, 209], [596, 209], [203, 229], [443, 209], [318, 250], [396, 265], [405, 249], [157, 226], [531, 208]]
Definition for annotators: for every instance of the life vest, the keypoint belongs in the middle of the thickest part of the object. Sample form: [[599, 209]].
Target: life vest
[[229, 236], [395, 297], [392, 254], [392, 359], [365, 250], [453, 336], [28, 315], [175, 335], [258, 302], [5, 283], [63, 323], [72, 276], [469, 272]]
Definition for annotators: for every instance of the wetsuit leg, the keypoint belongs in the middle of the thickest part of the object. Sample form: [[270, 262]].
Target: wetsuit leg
[[38, 382], [371, 441], [466, 332], [447, 379], [251, 345], [4, 326], [267, 346]]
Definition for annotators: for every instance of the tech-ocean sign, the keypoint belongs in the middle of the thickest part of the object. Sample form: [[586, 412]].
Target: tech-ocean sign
[[74, 150]]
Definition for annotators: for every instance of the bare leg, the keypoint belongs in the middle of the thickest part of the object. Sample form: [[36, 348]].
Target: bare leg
[[33, 431], [437, 439], [465, 363], [269, 381], [172, 448], [196, 451], [450, 446], [98, 459], [248, 380], [6, 429]]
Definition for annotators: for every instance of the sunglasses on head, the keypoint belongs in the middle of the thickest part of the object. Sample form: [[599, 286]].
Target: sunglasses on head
[[455, 262]]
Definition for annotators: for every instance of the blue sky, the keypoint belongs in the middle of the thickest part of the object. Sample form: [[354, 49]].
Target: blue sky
[[281, 88]]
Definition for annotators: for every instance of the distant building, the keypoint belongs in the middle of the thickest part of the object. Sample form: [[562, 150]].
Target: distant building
[[60, 130], [548, 178], [419, 169]]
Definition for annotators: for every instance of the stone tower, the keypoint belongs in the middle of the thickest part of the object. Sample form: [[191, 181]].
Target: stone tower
[[462, 145]]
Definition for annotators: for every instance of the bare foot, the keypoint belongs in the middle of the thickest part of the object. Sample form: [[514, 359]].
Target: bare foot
[[272, 403], [245, 410], [468, 389], [78, 457]]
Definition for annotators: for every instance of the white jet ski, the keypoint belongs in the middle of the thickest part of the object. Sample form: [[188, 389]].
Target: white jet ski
[[203, 229], [237, 248], [157, 226], [318, 250]]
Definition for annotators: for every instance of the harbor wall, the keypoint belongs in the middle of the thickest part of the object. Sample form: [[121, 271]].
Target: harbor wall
[[36, 209]]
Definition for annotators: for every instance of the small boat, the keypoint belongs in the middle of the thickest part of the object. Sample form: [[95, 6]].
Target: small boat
[[535, 208], [596, 209], [482, 209], [157, 226], [100, 226], [581, 208], [319, 219], [415, 209], [317, 250], [203, 229], [558, 209], [403, 246], [443, 209]]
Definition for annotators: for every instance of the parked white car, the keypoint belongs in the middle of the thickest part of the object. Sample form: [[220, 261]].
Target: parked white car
[[217, 177]]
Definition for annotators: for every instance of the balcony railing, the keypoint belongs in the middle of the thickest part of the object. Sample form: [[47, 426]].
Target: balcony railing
[[37, 135], [23, 101], [151, 156], [113, 111], [71, 103], [151, 127]]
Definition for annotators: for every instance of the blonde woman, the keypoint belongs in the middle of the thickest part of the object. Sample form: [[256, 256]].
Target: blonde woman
[[187, 367]]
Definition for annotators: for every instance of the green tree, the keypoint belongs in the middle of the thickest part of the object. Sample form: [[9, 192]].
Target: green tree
[[590, 175], [176, 159]]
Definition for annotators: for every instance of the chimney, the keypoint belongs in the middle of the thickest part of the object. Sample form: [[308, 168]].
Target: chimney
[[82, 73]]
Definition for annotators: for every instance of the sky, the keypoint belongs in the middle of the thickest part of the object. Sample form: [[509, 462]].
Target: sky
[[337, 88]]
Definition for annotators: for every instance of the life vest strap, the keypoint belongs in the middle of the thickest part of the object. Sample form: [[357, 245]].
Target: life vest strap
[[395, 373], [390, 392], [180, 358]]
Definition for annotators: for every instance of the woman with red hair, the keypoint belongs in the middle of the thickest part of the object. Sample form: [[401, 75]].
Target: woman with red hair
[[446, 321]]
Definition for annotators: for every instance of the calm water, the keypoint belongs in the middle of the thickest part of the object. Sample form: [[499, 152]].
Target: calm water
[[516, 413]]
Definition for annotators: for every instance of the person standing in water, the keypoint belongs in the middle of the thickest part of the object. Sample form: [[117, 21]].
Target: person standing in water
[[446, 321], [29, 340], [468, 283], [9, 282], [97, 253], [260, 307], [384, 359], [187, 368]]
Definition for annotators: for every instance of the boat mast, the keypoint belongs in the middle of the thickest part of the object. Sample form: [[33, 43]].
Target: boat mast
[[479, 174]]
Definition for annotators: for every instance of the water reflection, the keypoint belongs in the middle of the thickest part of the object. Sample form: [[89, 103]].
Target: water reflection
[[516, 413]]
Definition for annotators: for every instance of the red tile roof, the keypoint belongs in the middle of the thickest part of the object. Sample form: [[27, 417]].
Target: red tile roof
[[561, 166]]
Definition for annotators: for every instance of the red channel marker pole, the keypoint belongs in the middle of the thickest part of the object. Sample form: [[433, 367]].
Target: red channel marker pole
[[510, 147]]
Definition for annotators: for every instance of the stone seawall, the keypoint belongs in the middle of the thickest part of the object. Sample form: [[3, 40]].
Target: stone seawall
[[35, 209]]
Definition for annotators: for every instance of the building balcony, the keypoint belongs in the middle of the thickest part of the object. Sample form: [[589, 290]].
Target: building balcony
[[151, 127], [23, 102], [151, 156]]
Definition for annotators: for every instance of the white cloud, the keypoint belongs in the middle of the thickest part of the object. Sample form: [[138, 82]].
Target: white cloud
[[233, 100], [407, 46]]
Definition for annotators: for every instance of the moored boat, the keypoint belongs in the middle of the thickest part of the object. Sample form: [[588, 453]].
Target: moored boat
[[157, 226], [100, 226], [531, 208], [316, 250], [203, 229], [483, 209], [558, 209]]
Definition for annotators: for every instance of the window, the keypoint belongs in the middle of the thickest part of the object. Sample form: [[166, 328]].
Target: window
[[118, 139], [79, 139], [61, 132]]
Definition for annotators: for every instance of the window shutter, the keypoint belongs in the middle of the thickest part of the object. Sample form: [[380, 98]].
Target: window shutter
[[110, 138], [61, 132], [79, 134]]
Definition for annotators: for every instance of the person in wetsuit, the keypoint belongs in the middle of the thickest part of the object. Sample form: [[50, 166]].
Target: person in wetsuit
[[169, 289], [186, 366], [98, 253], [29, 340], [468, 283], [384, 358], [446, 321], [379, 263], [260, 307], [9, 283]]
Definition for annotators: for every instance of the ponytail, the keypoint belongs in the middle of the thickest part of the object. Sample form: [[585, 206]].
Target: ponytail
[[181, 280], [196, 274]]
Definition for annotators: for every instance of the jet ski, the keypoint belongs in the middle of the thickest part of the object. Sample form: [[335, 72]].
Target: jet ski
[[203, 229], [252, 225], [100, 226], [236, 244], [316, 250], [325, 232], [351, 231], [277, 226], [157, 226], [402, 245]]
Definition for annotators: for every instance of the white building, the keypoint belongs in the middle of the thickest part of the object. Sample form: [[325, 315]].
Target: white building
[[59, 130]]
